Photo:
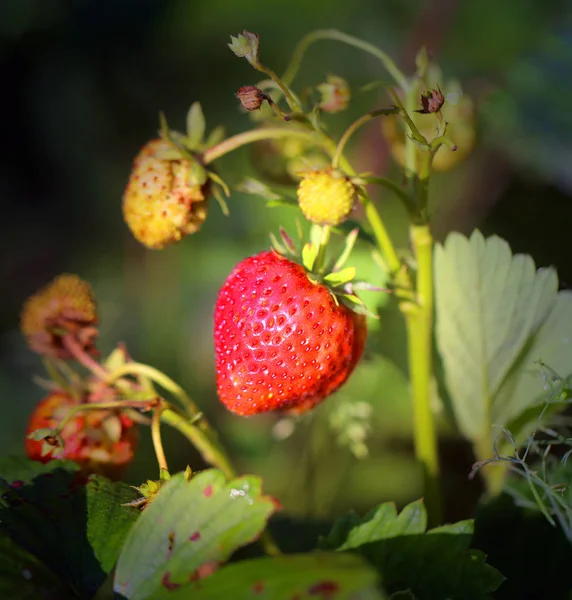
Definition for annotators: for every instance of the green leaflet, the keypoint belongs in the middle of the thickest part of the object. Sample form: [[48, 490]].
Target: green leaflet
[[495, 316], [432, 564], [317, 575], [187, 526]]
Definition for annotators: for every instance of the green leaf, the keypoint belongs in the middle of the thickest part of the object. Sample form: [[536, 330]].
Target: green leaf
[[195, 125], [527, 385], [188, 525], [23, 577], [316, 575], [23, 470], [385, 523], [496, 314], [435, 564], [74, 526]]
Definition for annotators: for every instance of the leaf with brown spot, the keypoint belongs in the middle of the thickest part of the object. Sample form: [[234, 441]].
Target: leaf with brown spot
[[188, 525]]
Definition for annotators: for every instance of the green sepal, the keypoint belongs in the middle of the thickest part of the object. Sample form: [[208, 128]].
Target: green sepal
[[215, 136], [195, 125], [309, 255], [288, 241], [314, 117], [283, 202], [355, 304], [197, 174], [348, 247], [116, 359], [220, 181], [342, 277], [250, 185], [276, 245], [41, 434], [422, 61], [221, 202]]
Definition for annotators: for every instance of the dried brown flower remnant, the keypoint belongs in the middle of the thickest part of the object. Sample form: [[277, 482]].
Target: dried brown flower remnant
[[431, 101], [65, 307], [251, 97]]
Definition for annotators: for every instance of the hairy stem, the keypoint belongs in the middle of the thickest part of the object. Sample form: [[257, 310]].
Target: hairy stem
[[334, 34], [134, 368], [82, 357], [254, 135], [355, 126], [288, 95], [156, 437]]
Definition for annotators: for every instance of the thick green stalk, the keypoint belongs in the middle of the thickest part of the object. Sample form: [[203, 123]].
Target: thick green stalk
[[419, 320]]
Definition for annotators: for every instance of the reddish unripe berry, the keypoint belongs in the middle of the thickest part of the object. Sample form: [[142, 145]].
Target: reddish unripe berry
[[100, 441]]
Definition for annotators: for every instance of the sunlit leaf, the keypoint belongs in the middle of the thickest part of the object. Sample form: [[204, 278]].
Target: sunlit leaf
[[490, 308], [189, 526], [317, 575]]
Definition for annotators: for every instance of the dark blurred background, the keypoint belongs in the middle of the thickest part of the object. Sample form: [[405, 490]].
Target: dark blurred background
[[82, 83]]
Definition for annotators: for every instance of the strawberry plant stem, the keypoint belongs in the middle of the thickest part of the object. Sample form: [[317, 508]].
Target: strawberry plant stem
[[119, 404], [355, 126], [202, 438], [334, 34], [292, 101], [156, 437], [135, 368], [420, 343], [254, 135], [419, 321], [82, 357]]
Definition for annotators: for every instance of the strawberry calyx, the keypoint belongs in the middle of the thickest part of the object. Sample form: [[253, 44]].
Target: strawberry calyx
[[340, 280], [191, 148], [150, 488]]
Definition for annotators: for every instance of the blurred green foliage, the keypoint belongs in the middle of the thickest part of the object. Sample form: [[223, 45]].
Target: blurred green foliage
[[83, 82]]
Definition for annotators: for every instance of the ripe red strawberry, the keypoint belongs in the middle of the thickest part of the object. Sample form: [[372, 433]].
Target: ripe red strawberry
[[281, 340], [100, 441]]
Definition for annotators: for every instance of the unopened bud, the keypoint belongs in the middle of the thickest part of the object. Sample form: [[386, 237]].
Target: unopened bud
[[245, 45], [335, 94], [251, 97]]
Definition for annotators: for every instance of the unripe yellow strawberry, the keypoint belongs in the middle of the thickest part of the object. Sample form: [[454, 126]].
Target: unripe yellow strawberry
[[326, 197], [164, 200]]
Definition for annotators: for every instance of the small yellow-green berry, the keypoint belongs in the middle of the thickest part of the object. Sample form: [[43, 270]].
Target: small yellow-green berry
[[326, 196]]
